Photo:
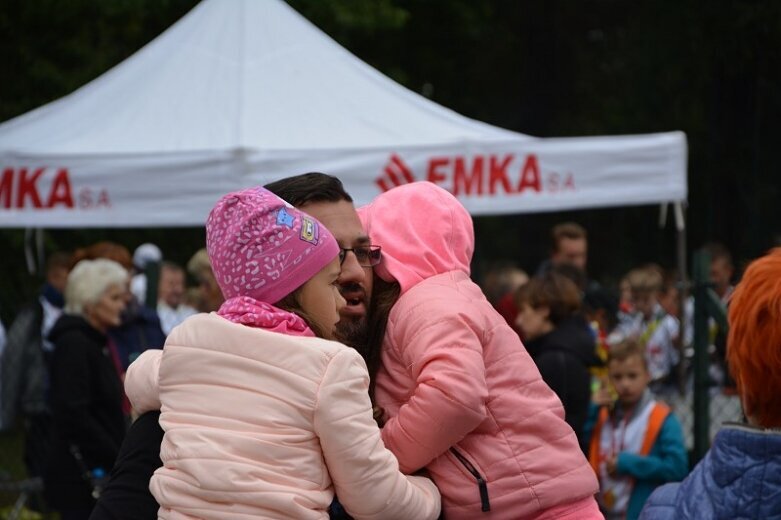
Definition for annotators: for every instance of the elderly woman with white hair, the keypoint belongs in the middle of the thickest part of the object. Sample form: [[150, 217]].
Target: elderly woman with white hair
[[86, 394]]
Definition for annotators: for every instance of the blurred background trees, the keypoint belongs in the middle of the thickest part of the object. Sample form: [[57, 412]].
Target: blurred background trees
[[541, 67]]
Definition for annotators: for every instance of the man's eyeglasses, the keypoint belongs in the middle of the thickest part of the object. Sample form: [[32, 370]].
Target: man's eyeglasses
[[367, 256]]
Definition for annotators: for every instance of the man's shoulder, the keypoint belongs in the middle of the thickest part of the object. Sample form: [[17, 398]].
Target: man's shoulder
[[544, 267], [127, 495], [74, 340], [146, 428]]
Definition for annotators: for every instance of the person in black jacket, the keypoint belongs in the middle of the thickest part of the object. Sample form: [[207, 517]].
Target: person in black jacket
[[126, 494], [560, 341], [86, 398], [139, 327]]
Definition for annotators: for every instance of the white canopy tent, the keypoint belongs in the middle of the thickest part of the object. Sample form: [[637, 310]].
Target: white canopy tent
[[243, 92]]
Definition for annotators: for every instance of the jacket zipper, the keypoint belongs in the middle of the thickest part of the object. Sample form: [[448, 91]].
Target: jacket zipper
[[482, 485]]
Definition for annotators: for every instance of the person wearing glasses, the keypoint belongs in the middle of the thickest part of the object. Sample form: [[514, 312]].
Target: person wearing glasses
[[265, 414], [127, 496]]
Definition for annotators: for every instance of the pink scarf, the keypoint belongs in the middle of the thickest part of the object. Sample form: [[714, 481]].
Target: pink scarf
[[253, 313]]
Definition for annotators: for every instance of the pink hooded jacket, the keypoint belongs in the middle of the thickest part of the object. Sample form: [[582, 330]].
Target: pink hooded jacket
[[455, 375], [266, 425]]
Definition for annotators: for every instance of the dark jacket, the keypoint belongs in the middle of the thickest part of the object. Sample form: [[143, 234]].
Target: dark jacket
[[140, 330], [127, 496], [740, 477], [23, 373], [24, 381], [563, 357], [87, 412]]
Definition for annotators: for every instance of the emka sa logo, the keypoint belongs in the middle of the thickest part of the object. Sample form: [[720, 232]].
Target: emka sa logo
[[479, 175], [23, 188]]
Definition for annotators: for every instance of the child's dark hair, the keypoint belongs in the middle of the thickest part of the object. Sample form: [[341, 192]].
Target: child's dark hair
[[601, 299], [384, 297], [554, 291], [568, 230], [626, 349], [574, 273]]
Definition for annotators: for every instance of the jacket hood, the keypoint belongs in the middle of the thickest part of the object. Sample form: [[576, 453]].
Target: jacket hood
[[572, 335], [71, 322], [423, 230]]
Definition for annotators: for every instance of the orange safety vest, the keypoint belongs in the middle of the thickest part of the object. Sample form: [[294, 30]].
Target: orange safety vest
[[655, 422]]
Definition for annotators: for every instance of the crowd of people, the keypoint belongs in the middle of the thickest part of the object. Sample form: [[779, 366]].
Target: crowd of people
[[342, 363], [65, 355]]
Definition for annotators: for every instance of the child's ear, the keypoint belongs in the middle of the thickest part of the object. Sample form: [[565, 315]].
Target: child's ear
[[545, 310], [647, 374]]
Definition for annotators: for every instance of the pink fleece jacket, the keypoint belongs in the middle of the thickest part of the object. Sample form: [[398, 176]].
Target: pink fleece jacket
[[266, 425], [455, 375]]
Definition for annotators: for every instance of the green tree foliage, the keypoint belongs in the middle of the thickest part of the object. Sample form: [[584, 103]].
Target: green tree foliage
[[51, 48]]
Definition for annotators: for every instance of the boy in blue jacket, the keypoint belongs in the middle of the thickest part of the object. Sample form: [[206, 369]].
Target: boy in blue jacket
[[636, 442]]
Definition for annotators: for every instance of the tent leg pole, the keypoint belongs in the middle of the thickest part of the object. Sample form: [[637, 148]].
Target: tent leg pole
[[683, 292]]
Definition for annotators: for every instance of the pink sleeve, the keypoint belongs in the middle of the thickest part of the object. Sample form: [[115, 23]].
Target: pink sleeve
[[446, 361], [365, 474], [142, 381]]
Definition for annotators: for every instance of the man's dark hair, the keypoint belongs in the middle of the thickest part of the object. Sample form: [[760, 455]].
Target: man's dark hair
[[58, 260], [570, 230], [300, 190], [171, 266]]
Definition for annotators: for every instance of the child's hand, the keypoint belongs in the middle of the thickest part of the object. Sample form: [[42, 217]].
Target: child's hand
[[612, 466], [601, 397]]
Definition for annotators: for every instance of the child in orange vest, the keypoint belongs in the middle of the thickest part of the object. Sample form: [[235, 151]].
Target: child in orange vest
[[636, 442]]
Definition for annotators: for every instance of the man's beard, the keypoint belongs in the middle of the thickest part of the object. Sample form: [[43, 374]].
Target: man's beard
[[353, 333]]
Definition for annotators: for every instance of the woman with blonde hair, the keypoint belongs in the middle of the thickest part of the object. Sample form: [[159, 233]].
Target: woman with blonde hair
[[86, 395]]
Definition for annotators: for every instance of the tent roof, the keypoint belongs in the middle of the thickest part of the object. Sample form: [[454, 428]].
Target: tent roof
[[240, 75]]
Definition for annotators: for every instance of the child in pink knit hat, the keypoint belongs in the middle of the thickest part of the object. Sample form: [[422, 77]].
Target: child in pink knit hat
[[264, 416], [262, 251]]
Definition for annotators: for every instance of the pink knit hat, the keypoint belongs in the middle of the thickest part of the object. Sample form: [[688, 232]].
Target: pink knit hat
[[262, 247]]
